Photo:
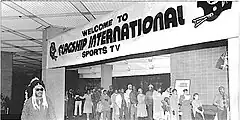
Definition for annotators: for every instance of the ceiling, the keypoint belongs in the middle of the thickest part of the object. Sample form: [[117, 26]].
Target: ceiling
[[22, 25], [130, 67]]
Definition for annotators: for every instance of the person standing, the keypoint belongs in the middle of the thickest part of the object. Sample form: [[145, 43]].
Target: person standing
[[95, 99], [87, 108], [38, 106], [127, 99], [149, 102], [70, 103], [66, 104], [158, 113], [197, 108], [109, 93], [122, 104], [133, 104], [174, 105], [115, 108], [141, 106], [78, 104], [185, 107], [221, 100], [106, 102]]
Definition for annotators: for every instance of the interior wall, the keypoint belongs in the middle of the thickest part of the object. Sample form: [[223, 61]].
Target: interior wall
[[200, 67], [6, 73]]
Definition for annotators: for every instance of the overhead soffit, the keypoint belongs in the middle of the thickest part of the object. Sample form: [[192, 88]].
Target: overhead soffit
[[59, 14]]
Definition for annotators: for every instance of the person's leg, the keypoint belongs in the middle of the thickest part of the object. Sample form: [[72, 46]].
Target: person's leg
[[126, 113], [97, 116], [120, 113], [80, 108], [219, 114], [150, 112], [95, 110], [113, 112], [223, 114], [88, 115], [135, 113], [75, 108], [104, 115]]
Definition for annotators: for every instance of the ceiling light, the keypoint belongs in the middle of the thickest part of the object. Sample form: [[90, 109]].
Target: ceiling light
[[128, 68], [151, 67], [150, 59]]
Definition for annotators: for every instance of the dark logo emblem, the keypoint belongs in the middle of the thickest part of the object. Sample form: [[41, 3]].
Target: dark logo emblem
[[212, 9], [53, 50]]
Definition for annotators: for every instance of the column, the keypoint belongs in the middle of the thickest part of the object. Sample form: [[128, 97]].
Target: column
[[54, 79], [234, 77], [55, 86], [6, 73], [106, 75]]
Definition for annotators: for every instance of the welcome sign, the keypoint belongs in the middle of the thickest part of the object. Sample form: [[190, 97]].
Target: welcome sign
[[144, 27]]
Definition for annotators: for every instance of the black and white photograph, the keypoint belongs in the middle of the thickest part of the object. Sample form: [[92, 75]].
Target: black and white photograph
[[120, 60]]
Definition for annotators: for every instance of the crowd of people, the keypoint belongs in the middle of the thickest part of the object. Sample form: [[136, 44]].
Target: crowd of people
[[133, 104]]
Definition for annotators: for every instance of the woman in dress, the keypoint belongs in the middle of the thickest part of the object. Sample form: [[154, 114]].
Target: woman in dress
[[115, 112], [174, 105], [197, 108], [186, 107], [141, 106], [88, 104], [158, 113]]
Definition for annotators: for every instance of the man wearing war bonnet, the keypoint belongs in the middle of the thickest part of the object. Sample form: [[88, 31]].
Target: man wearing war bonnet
[[38, 106]]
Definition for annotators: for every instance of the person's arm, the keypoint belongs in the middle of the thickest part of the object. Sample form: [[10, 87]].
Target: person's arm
[[25, 110], [109, 100], [216, 101], [83, 97]]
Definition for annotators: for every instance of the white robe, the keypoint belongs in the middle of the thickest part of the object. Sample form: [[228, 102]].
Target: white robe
[[119, 100], [158, 112]]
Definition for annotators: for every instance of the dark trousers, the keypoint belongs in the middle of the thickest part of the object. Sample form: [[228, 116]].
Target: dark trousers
[[111, 111], [106, 115], [94, 110], [150, 111], [98, 115], [121, 113], [70, 109], [222, 114], [127, 113], [133, 112]]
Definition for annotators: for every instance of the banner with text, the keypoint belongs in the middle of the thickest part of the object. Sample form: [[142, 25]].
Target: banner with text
[[144, 27]]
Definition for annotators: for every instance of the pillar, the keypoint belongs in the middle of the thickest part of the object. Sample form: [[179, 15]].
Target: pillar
[[234, 77], [106, 75], [6, 73], [54, 79], [55, 86]]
